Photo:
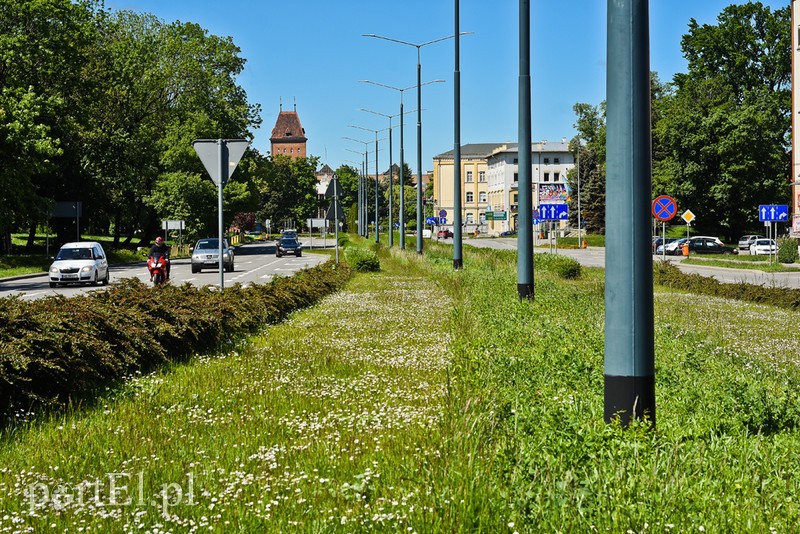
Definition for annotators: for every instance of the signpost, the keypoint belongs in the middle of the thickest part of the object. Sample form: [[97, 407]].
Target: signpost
[[770, 214], [220, 157], [664, 209], [335, 191], [554, 212]]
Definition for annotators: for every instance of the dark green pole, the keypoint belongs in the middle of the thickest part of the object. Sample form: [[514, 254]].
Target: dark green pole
[[525, 213], [420, 214], [377, 218], [629, 353], [402, 217], [391, 181], [458, 260], [366, 191]]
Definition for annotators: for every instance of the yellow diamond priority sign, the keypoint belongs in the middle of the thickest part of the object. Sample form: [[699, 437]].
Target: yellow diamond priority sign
[[688, 216]]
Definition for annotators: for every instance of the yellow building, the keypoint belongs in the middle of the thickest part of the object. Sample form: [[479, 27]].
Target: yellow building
[[474, 185]]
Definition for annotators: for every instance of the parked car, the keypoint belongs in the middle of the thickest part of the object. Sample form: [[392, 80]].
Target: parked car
[[80, 262], [708, 245], [444, 233], [288, 245], [205, 255], [763, 247], [746, 240], [673, 248], [658, 246]]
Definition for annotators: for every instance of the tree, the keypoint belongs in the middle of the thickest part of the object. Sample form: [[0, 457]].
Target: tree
[[591, 128], [724, 128], [288, 189]]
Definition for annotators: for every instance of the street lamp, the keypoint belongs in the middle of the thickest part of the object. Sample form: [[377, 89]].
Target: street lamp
[[363, 211], [402, 218], [418, 46], [377, 213], [360, 200], [390, 117]]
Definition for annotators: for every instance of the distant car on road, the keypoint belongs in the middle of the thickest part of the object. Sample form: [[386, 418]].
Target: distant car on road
[[288, 245], [763, 247], [444, 232], [746, 240], [708, 245], [205, 255], [80, 262], [672, 248]]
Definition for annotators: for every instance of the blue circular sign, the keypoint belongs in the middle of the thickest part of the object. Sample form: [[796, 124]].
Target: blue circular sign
[[664, 208]]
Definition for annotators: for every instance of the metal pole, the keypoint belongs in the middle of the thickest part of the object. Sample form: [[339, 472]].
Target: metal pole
[[223, 169], [377, 212], [458, 260], [525, 211], [366, 191], [580, 244], [402, 217], [391, 173], [420, 214], [629, 352], [336, 215]]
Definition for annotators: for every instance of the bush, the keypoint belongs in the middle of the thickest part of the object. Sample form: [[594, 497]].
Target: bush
[[344, 240], [56, 349], [562, 266], [362, 259], [787, 250]]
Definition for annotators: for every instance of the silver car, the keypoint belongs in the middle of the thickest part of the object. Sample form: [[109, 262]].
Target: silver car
[[205, 255], [80, 262]]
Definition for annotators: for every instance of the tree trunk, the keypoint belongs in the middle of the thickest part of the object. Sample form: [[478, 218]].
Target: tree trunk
[[31, 238]]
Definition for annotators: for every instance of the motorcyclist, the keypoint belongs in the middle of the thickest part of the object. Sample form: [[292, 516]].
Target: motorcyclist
[[161, 249]]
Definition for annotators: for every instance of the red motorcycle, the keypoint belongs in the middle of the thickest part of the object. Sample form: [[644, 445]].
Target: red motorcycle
[[157, 265]]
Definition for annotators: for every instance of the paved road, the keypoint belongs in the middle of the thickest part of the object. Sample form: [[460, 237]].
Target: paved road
[[254, 264], [596, 257]]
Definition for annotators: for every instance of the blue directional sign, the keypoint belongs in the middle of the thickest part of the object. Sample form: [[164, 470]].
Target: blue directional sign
[[554, 212], [430, 220], [773, 213]]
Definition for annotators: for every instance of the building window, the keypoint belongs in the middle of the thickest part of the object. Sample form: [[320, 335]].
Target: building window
[[470, 197], [556, 176], [470, 218], [556, 161], [546, 161], [482, 196], [547, 177], [516, 177], [515, 161], [469, 177], [481, 176]]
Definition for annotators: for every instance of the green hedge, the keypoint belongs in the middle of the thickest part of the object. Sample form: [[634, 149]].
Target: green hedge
[[787, 250], [362, 259], [55, 349]]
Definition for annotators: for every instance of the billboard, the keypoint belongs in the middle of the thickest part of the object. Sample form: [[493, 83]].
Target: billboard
[[553, 193]]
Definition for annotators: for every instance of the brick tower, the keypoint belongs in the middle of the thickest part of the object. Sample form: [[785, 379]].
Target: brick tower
[[288, 136]]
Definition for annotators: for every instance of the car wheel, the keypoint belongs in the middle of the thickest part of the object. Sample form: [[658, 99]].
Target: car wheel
[[95, 281], [229, 268], [195, 269], [277, 254], [107, 279], [299, 254], [53, 284]]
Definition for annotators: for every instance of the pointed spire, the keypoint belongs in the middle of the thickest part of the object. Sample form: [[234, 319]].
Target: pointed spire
[[281, 106]]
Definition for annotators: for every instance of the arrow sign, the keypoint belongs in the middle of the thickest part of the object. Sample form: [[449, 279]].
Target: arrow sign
[[209, 152], [554, 212], [773, 212]]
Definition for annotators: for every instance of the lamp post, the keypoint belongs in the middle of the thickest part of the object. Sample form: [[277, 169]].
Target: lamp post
[[364, 211], [390, 117], [360, 200], [377, 212], [402, 215], [418, 46]]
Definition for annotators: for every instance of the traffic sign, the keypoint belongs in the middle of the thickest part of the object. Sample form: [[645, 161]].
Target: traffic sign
[[442, 220], [688, 216], [554, 212], [430, 220], [210, 153], [442, 213], [334, 189], [664, 208], [489, 215], [773, 213]]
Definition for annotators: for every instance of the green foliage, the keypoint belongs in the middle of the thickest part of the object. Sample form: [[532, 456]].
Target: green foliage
[[787, 251], [344, 240], [362, 259], [563, 266], [58, 348], [288, 190]]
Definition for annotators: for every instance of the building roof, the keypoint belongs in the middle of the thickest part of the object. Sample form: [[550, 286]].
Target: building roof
[[288, 128], [536, 146], [473, 150], [325, 170]]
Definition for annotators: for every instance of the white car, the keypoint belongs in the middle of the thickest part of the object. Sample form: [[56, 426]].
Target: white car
[[79, 263], [763, 247]]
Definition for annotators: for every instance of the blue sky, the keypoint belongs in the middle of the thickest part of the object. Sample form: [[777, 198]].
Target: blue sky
[[313, 52]]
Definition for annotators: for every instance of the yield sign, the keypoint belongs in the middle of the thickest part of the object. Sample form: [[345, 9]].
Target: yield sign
[[664, 208], [209, 152], [334, 189]]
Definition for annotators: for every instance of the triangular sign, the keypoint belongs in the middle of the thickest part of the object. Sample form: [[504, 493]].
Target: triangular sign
[[232, 152], [334, 189], [334, 211]]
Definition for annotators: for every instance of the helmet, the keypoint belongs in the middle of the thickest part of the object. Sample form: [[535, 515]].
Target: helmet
[[159, 240]]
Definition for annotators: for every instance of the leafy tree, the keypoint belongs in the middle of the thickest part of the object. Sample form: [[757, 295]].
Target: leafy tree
[[724, 128], [288, 190], [189, 197], [591, 128]]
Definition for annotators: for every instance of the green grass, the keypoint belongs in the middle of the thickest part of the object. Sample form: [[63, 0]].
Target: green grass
[[421, 399], [757, 263]]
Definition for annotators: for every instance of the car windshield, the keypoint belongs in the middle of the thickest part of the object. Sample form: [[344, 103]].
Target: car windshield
[[288, 241], [205, 244], [74, 254], [765, 242]]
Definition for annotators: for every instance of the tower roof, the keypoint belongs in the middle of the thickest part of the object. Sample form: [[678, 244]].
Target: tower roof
[[288, 128]]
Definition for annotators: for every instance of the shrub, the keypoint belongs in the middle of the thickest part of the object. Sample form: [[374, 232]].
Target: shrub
[[562, 266], [344, 240], [58, 348], [787, 250], [362, 259]]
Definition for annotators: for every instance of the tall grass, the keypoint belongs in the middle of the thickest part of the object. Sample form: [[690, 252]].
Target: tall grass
[[421, 399]]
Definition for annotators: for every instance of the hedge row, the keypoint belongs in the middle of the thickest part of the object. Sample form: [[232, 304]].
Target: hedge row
[[56, 349], [668, 275]]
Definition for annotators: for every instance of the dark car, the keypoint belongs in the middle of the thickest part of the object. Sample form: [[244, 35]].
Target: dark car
[[708, 245], [288, 245], [445, 233]]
